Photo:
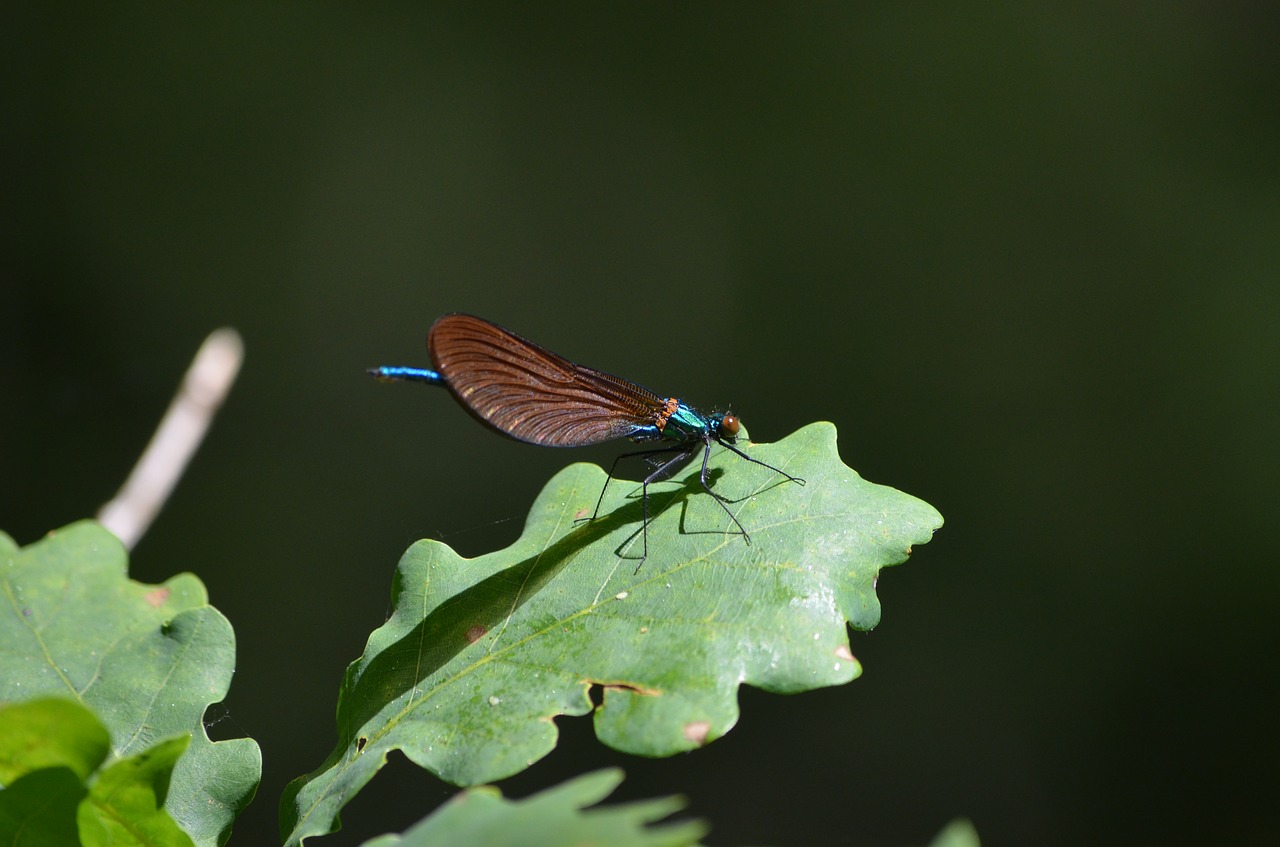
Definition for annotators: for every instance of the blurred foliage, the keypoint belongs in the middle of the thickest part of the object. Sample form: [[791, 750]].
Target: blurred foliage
[[148, 660], [60, 786], [552, 817]]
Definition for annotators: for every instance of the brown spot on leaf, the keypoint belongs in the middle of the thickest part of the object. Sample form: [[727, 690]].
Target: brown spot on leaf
[[155, 599], [843, 652], [632, 688], [475, 633], [697, 731], [581, 514]]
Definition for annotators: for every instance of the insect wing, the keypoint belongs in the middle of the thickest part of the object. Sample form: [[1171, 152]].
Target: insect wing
[[531, 394]]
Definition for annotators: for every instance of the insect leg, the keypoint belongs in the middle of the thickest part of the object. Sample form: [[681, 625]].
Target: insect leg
[[706, 456], [729, 446], [665, 470], [632, 455]]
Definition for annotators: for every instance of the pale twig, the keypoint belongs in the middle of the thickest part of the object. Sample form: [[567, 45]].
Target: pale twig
[[203, 389]]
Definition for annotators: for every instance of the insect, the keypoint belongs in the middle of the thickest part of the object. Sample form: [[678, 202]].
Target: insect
[[528, 393]]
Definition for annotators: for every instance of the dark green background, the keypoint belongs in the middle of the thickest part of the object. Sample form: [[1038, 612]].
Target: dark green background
[[1025, 256]]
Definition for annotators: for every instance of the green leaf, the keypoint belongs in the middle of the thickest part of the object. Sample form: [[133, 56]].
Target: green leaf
[[553, 817], [958, 833], [125, 806], [148, 659], [38, 809], [55, 791], [50, 732], [480, 655]]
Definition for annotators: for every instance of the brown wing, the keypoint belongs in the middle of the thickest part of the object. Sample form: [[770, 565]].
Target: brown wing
[[531, 394]]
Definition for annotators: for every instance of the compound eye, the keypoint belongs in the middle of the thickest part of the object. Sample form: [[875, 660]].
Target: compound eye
[[729, 426]]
